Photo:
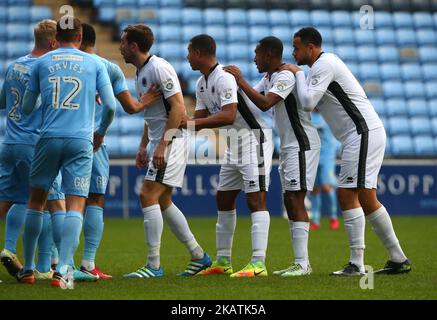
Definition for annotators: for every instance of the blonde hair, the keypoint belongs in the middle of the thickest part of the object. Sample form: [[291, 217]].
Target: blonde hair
[[44, 32]]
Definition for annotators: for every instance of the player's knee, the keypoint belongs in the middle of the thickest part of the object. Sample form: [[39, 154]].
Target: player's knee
[[348, 198], [256, 201], [294, 201], [97, 200], [327, 188]]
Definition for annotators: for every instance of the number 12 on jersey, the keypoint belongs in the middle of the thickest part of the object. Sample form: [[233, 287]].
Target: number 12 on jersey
[[66, 103]]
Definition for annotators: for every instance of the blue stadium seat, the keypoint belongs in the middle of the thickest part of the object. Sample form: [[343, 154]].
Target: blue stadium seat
[[15, 49], [187, 72], [346, 53], [432, 104], [148, 3], [385, 37], [341, 18], [327, 35], [129, 145], [237, 34], [411, 71], [214, 16], [388, 54], [169, 32], [19, 2], [434, 126], [100, 3], [106, 14], [284, 34], [395, 107], [38, 13], [319, 18], [131, 125], [237, 51], [113, 145], [390, 71], [172, 50], [243, 65], [383, 20], [378, 105], [417, 107], [431, 89], [401, 145], [279, 18], [192, 16], [192, 86], [403, 20], [423, 20], [221, 51], [368, 71], [18, 14], [343, 36], [258, 17], [406, 37], [420, 126], [19, 31], [424, 146], [172, 3], [125, 3], [256, 33], [429, 71], [353, 67], [399, 125], [189, 31], [300, 18], [414, 89], [3, 14], [367, 54], [217, 32], [364, 37], [426, 37], [393, 89], [236, 16], [169, 16], [428, 54]]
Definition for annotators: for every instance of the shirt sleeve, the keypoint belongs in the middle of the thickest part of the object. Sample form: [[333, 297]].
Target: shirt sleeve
[[283, 84], [200, 104], [102, 79], [117, 78], [33, 82], [167, 80], [227, 89]]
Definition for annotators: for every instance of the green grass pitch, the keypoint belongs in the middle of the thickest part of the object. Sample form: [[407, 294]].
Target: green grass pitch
[[123, 250]]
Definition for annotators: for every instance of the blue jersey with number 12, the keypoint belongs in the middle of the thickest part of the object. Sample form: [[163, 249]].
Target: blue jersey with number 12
[[67, 80]]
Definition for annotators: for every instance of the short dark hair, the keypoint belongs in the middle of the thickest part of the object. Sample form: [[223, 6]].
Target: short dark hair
[[309, 35], [88, 35], [64, 32], [204, 43], [141, 34], [273, 44]]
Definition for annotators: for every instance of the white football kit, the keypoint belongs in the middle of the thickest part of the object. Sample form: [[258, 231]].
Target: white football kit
[[300, 142], [248, 159], [159, 72], [344, 105]]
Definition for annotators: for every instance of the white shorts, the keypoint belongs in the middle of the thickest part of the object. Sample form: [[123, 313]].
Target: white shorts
[[298, 169], [361, 159], [250, 176], [173, 173]]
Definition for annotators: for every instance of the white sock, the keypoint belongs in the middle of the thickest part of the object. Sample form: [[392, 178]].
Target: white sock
[[381, 224], [179, 226], [260, 234], [89, 265], [299, 235], [355, 223], [225, 228], [153, 225]]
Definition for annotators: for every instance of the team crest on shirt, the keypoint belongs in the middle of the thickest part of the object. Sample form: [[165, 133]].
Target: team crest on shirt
[[314, 81], [228, 93], [281, 85], [168, 84]]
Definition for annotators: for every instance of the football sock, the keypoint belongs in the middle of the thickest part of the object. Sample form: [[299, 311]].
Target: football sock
[[14, 222], [332, 203], [70, 239], [45, 241], [316, 201], [383, 227], [299, 237], [32, 229], [225, 228], [92, 231], [354, 223], [153, 225], [260, 234], [179, 226], [57, 225], [55, 253]]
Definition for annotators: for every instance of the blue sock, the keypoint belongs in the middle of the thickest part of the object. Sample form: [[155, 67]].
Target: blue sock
[[332, 204], [70, 238], [14, 222], [315, 207], [57, 224], [92, 230], [32, 230], [45, 244]]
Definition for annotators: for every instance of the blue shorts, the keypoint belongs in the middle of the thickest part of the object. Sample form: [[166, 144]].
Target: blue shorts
[[326, 173], [100, 171], [15, 163], [55, 192], [74, 156]]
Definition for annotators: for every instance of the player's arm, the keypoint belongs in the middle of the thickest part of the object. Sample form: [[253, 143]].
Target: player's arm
[[141, 157], [263, 102], [108, 112], [131, 105], [220, 119]]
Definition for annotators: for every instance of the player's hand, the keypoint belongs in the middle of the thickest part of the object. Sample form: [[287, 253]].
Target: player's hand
[[184, 121], [98, 100], [290, 67], [236, 72], [141, 160], [159, 156], [150, 97], [97, 141]]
